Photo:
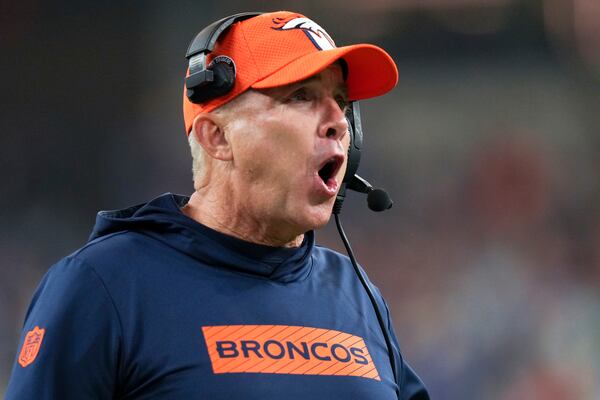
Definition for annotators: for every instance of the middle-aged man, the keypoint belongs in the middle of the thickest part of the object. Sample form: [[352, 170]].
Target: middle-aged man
[[224, 295]]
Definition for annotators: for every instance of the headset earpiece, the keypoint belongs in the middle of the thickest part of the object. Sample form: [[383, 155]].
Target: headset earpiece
[[218, 78], [224, 75]]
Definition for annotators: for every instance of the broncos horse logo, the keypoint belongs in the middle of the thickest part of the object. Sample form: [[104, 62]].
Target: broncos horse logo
[[313, 31]]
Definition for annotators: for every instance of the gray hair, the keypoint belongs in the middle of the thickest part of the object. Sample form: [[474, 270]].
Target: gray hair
[[198, 158], [198, 153]]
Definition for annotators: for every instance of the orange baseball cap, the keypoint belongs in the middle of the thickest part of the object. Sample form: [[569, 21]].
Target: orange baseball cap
[[280, 48]]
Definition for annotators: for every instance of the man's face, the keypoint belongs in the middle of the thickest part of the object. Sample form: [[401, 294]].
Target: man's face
[[289, 152]]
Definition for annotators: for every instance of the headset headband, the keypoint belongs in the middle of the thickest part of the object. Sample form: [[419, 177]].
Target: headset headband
[[207, 38]]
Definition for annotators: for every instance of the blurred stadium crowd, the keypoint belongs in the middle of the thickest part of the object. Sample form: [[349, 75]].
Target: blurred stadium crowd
[[490, 145]]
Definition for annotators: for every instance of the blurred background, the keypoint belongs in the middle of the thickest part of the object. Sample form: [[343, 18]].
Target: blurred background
[[490, 147]]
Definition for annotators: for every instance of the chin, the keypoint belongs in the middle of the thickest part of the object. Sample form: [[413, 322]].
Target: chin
[[317, 217]]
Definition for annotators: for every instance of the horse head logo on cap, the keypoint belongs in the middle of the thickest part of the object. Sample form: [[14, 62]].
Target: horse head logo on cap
[[317, 35]]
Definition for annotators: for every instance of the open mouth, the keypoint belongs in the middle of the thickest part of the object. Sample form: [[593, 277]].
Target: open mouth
[[330, 169]]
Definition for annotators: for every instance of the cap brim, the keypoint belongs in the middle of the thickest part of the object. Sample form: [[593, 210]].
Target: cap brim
[[371, 71]]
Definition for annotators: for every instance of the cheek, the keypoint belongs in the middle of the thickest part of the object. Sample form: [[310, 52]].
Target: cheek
[[346, 145], [288, 137], [342, 171], [274, 151]]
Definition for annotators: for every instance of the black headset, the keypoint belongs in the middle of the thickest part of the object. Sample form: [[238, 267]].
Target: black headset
[[217, 79], [206, 82]]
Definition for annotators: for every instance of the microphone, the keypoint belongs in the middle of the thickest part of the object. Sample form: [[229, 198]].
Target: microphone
[[377, 199]]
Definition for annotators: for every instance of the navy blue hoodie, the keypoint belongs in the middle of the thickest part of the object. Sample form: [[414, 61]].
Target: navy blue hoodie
[[158, 306]]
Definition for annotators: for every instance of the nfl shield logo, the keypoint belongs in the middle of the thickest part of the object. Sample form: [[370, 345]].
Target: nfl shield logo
[[31, 346]]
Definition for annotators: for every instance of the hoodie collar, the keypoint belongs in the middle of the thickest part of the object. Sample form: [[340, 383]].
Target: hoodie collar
[[163, 220]]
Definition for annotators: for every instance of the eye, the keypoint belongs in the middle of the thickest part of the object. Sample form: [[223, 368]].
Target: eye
[[299, 95], [342, 102]]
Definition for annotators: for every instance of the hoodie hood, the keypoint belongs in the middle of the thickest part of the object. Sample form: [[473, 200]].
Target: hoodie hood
[[162, 219]]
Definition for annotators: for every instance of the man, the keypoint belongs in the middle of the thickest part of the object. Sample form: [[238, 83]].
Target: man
[[224, 295]]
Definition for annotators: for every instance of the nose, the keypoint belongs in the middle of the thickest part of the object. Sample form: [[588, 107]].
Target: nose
[[335, 124]]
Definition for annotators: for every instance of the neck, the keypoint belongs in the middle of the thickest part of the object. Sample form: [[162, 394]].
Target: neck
[[211, 209]]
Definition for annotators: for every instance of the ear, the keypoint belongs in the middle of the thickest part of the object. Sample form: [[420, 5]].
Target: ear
[[209, 132]]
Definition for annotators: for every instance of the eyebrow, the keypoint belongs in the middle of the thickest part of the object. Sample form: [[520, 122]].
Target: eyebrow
[[342, 87]]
